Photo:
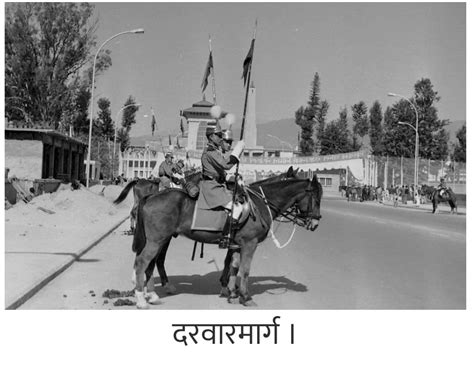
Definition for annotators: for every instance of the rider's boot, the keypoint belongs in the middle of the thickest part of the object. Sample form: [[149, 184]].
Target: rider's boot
[[227, 241]]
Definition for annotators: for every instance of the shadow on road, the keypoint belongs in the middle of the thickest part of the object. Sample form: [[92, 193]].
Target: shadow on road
[[209, 284]]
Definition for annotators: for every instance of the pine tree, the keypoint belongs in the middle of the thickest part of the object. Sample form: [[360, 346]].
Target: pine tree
[[375, 130]]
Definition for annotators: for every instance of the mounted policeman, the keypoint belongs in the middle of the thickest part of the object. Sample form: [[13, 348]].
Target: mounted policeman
[[215, 163]]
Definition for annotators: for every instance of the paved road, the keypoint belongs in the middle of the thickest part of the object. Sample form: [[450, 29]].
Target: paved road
[[363, 256]]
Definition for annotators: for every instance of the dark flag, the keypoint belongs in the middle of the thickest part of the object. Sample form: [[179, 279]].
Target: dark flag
[[153, 122], [177, 142], [248, 62], [182, 128], [207, 72], [169, 140]]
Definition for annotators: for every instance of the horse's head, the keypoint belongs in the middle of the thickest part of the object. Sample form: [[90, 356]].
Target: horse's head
[[308, 207]]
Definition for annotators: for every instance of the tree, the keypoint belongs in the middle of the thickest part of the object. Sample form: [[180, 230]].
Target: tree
[[433, 139], [335, 138], [433, 136], [123, 139], [459, 154], [48, 68], [128, 115], [106, 124], [361, 122], [375, 130], [309, 117]]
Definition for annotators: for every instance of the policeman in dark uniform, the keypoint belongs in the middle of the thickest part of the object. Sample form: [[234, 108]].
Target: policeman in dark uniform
[[214, 165]]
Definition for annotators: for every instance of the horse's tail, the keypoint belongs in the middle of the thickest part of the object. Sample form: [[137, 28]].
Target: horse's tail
[[125, 192], [139, 238]]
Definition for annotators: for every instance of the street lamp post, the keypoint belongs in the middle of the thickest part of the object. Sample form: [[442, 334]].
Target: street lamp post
[[417, 142], [134, 31], [116, 120]]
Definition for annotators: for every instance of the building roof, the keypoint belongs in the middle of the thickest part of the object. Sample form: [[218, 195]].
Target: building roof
[[37, 133], [200, 109]]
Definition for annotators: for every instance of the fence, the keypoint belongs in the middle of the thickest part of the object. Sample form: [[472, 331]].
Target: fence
[[401, 171]]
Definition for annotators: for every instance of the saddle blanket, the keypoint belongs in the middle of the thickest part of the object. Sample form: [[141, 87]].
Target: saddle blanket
[[207, 219]]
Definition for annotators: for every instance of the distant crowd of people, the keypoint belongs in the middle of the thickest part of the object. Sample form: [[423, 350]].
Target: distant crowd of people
[[398, 194]]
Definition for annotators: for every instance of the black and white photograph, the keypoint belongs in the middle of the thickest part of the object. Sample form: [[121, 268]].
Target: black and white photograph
[[214, 164]]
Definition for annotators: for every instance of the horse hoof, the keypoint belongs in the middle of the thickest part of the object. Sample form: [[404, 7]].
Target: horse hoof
[[225, 293], [233, 300], [152, 298], [170, 289], [249, 303], [141, 301]]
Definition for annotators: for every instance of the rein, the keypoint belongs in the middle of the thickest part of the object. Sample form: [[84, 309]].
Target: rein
[[274, 239]]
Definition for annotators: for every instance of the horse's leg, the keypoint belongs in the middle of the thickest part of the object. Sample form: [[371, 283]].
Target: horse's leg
[[232, 285], [150, 294], [247, 252], [434, 206], [160, 265], [133, 217], [224, 279], [142, 262]]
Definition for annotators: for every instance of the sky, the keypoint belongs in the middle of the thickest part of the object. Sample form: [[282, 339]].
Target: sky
[[361, 51]]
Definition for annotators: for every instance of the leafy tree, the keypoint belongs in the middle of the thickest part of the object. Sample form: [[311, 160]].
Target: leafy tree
[[375, 130], [459, 154], [361, 122], [48, 68], [335, 138], [105, 120], [123, 139], [128, 114], [46, 44], [433, 139], [433, 136], [395, 141]]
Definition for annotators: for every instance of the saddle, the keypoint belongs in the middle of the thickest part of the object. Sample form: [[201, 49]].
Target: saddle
[[208, 219]]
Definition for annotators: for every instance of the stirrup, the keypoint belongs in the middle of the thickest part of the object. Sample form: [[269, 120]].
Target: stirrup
[[228, 243]]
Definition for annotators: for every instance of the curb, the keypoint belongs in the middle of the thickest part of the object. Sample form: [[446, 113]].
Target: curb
[[60, 269]]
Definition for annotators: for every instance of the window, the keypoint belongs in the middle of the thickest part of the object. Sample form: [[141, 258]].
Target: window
[[130, 163], [136, 164], [153, 164]]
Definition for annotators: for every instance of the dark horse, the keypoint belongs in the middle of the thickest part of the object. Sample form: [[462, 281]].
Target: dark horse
[[442, 196], [170, 212], [143, 188]]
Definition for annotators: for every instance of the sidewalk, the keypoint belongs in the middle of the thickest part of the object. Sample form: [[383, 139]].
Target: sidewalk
[[46, 236]]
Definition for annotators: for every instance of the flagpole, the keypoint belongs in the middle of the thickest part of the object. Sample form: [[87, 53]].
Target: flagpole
[[248, 83], [212, 74], [252, 48]]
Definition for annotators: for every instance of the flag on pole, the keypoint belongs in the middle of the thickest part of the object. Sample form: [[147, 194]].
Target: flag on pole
[[153, 122], [177, 142], [248, 62], [182, 128], [207, 72], [169, 139]]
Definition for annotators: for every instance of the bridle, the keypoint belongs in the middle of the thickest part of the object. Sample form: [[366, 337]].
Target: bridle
[[293, 213]]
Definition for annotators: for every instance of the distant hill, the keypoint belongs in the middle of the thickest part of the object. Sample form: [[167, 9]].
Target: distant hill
[[278, 133]]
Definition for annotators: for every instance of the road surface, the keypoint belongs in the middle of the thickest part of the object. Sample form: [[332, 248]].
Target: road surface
[[363, 256]]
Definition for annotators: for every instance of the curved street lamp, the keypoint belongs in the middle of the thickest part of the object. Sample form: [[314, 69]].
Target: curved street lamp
[[134, 31], [417, 137]]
